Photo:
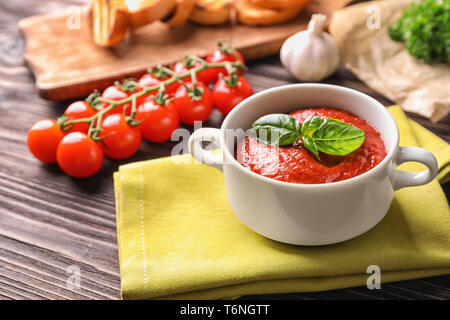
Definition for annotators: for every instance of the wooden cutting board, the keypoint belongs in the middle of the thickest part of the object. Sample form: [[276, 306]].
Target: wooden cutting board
[[67, 64]]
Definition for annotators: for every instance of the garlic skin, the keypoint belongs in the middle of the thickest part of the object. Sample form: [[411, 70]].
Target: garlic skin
[[311, 55]]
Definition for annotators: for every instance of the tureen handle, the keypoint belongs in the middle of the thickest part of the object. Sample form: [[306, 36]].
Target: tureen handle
[[401, 179], [212, 158]]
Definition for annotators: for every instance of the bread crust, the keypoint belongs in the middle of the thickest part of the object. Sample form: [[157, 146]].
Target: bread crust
[[182, 12], [211, 12], [148, 11], [253, 15], [278, 4], [109, 22]]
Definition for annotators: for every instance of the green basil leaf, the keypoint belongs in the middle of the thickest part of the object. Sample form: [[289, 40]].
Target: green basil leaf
[[311, 124], [327, 135], [338, 138], [309, 144], [277, 129]]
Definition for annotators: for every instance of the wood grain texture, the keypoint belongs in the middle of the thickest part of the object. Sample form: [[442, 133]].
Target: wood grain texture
[[49, 221], [67, 64]]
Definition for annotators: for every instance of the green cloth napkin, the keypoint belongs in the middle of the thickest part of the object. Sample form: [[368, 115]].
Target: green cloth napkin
[[178, 237]]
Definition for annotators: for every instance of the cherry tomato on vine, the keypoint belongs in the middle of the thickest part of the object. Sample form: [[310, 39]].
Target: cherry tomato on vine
[[150, 80], [78, 110], [115, 93], [43, 139], [202, 76], [160, 121], [193, 109], [227, 97], [221, 55], [121, 140], [79, 156], [180, 67]]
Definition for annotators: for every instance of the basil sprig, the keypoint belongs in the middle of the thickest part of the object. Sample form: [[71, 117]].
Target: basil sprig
[[326, 135], [277, 129]]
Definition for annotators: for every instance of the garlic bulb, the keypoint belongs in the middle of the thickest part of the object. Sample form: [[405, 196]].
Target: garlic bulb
[[311, 55]]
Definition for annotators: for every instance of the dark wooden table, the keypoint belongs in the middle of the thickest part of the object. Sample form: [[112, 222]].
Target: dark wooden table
[[49, 221]]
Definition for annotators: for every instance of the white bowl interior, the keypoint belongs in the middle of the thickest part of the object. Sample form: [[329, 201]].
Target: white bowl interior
[[288, 98]]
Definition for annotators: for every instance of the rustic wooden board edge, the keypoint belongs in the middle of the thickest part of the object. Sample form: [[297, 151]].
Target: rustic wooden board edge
[[82, 89], [71, 89]]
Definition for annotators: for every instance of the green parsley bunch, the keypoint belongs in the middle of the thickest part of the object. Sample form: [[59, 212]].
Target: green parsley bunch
[[424, 28]]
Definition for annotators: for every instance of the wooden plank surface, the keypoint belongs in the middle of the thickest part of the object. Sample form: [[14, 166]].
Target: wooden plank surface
[[49, 221], [67, 63]]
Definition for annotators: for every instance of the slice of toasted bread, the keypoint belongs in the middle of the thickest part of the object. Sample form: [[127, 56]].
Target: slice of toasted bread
[[182, 12], [211, 12], [253, 15], [143, 12], [278, 4], [109, 22]]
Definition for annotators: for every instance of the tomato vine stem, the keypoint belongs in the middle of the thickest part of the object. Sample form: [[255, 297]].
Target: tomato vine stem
[[95, 121]]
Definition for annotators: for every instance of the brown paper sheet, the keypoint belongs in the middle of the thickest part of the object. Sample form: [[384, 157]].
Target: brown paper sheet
[[384, 64]]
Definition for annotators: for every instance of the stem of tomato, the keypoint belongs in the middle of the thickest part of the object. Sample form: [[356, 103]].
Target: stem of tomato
[[95, 120]]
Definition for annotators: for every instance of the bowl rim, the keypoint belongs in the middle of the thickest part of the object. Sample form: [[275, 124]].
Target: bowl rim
[[304, 86]]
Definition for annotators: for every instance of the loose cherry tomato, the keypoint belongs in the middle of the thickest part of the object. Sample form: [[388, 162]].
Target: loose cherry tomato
[[226, 97], [159, 121], [78, 110], [221, 55], [121, 140], [79, 156], [193, 109], [114, 93], [202, 76], [43, 139]]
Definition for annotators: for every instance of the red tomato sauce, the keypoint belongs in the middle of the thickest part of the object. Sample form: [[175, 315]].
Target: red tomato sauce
[[296, 164]]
